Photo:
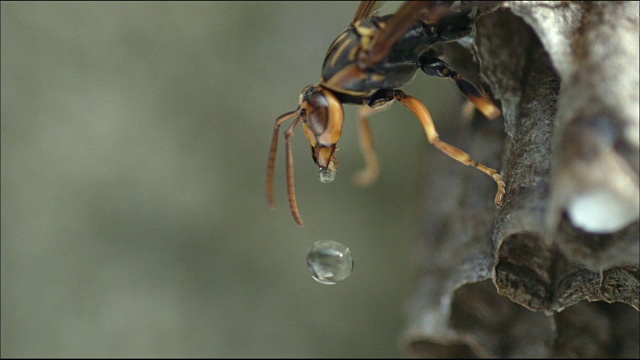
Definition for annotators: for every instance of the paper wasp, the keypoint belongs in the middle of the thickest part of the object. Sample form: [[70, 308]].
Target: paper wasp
[[366, 65]]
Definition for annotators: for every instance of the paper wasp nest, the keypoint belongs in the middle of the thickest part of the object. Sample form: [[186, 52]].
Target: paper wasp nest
[[556, 272]]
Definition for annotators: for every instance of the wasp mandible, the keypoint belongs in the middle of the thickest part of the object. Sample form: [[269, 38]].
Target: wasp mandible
[[366, 65]]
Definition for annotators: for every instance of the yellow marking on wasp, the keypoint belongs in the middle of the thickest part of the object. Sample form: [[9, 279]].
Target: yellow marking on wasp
[[347, 92], [336, 55], [344, 78], [378, 77], [333, 131], [352, 53], [310, 135], [339, 39], [364, 42], [365, 30]]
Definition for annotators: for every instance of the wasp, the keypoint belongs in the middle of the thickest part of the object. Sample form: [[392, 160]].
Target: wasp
[[366, 65]]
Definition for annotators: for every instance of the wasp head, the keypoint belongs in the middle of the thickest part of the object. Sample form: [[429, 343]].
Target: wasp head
[[322, 115]]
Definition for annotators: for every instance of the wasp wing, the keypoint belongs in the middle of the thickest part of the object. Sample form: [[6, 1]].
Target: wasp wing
[[407, 15], [365, 9]]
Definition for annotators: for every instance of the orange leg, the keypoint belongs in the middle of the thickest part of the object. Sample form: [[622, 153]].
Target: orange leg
[[369, 174], [480, 100], [433, 66], [421, 111]]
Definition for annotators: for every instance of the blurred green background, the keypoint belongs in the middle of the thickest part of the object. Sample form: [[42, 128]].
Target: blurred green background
[[134, 217]]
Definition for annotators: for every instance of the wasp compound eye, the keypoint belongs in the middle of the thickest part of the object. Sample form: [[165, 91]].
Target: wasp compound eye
[[317, 113]]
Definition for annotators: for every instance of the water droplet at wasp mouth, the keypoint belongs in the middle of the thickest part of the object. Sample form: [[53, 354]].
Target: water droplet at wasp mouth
[[326, 175], [366, 65]]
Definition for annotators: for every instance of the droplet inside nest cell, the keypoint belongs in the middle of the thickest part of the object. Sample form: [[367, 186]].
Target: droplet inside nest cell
[[329, 262]]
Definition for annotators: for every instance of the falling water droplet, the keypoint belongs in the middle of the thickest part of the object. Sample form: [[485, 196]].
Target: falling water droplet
[[326, 175], [329, 262]]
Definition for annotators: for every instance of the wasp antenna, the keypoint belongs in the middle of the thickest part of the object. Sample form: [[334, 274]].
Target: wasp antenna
[[272, 153], [291, 189]]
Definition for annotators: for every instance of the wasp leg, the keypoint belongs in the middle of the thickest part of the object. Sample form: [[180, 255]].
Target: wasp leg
[[421, 111], [377, 103], [467, 111], [435, 67], [369, 174], [272, 154]]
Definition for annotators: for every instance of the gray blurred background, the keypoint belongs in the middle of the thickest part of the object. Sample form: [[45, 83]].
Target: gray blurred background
[[134, 217]]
